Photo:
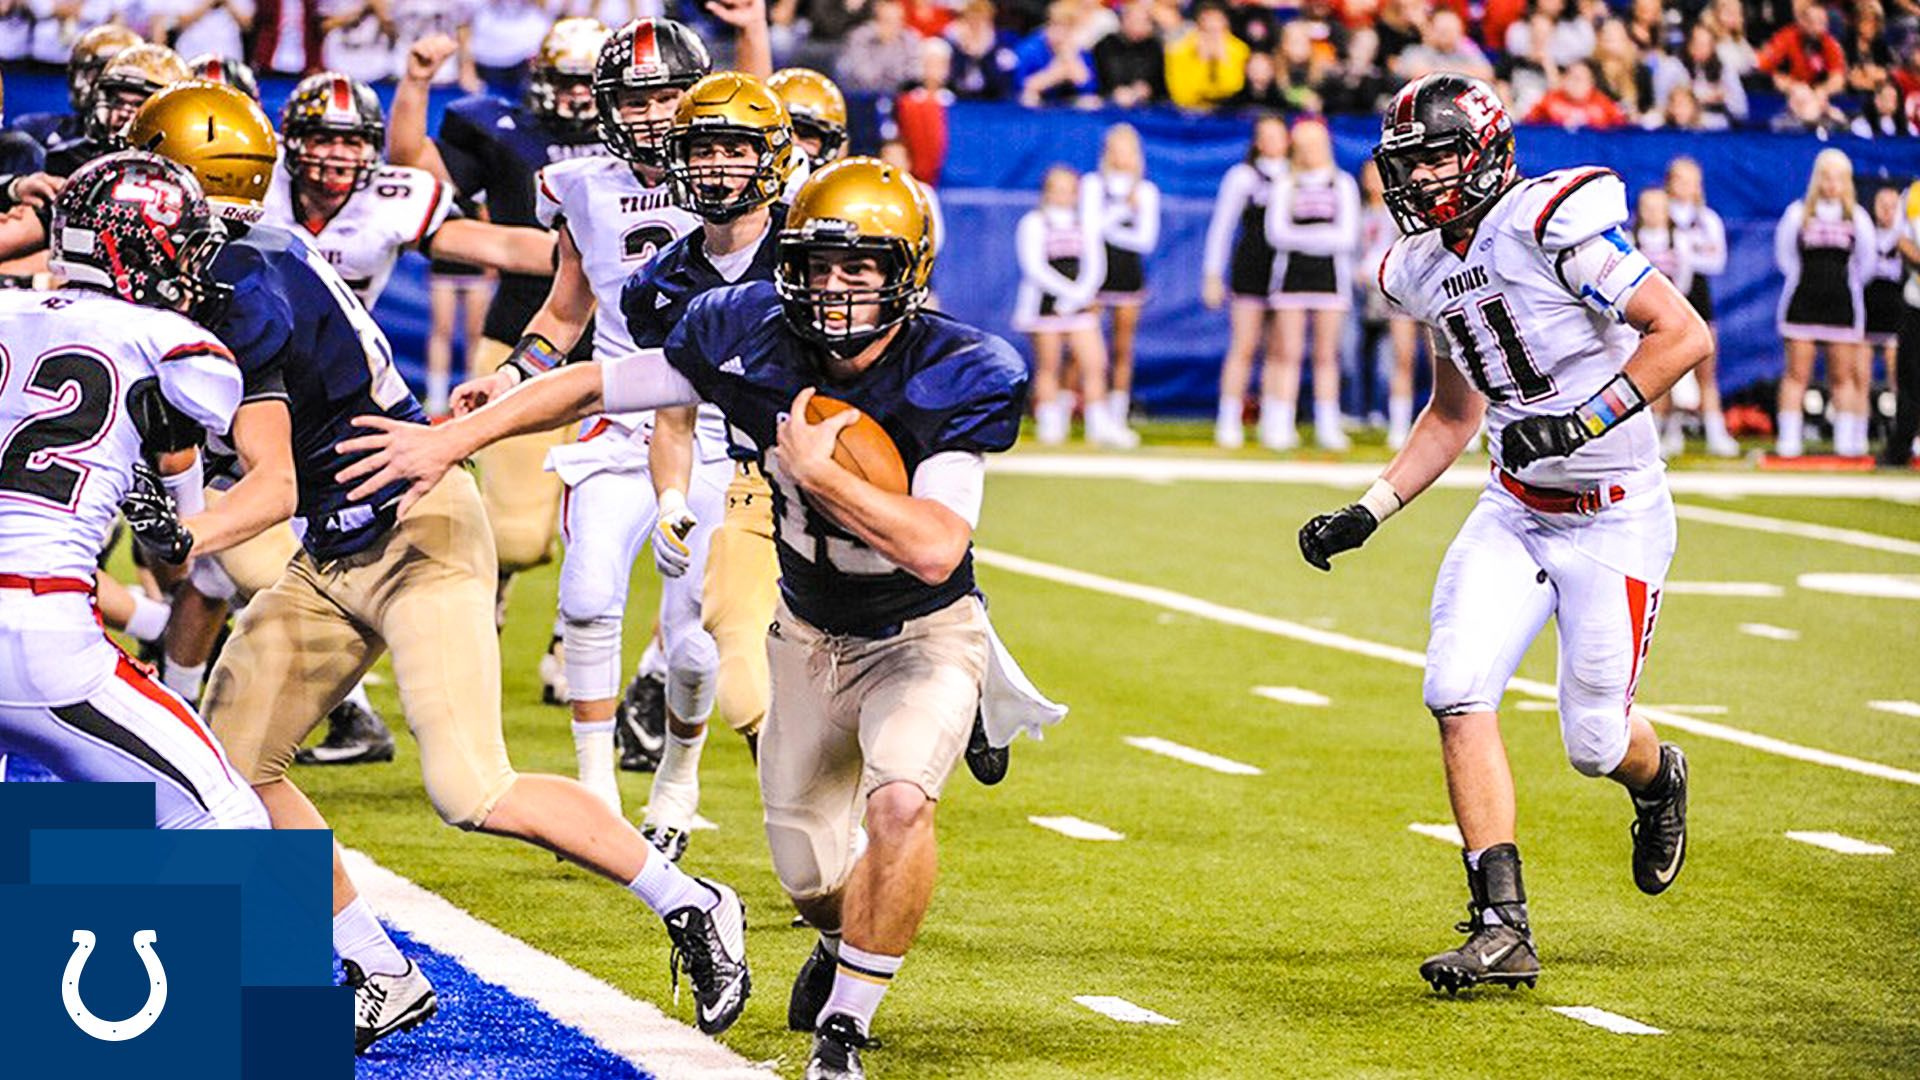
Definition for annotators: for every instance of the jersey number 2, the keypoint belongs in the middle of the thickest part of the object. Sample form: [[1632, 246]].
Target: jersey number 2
[[82, 389], [1532, 384]]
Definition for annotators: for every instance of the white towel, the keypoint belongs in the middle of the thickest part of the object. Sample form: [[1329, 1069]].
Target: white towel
[[1009, 702]]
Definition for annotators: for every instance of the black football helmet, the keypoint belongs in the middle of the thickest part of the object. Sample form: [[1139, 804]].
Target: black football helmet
[[646, 54], [1434, 119], [225, 70], [333, 104], [138, 226]]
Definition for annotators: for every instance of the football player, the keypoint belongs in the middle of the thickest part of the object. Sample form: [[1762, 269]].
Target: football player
[[819, 113], [1559, 332], [370, 579], [108, 376], [90, 54], [225, 70], [879, 645]]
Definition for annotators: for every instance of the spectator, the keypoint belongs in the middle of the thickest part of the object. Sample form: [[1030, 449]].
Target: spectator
[[1569, 37], [1237, 262], [1728, 21], [1445, 47], [1882, 291], [983, 60], [1716, 88], [1898, 451], [1399, 29], [201, 26], [1620, 70], [1262, 91], [506, 34], [1062, 263], [929, 18], [1804, 53], [1130, 64], [1324, 33], [1207, 65], [287, 36], [1357, 85], [1883, 115], [1683, 113], [921, 111], [1869, 53], [1648, 26], [1052, 68], [1809, 113], [1381, 317], [1707, 238], [1092, 22], [410, 20], [1302, 67], [1313, 223], [358, 38], [1824, 248], [810, 33], [1526, 76], [1498, 16], [1670, 250], [882, 55], [1577, 102], [1127, 205]]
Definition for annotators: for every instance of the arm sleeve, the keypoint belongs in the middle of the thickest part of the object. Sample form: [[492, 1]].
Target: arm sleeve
[[1603, 272], [1234, 188], [1786, 242], [1710, 248], [199, 377], [1029, 243], [644, 380], [956, 479]]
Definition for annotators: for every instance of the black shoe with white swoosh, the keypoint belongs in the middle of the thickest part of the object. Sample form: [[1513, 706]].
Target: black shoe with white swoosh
[[1660, 825], [836, 1050], [1497, 950], [711, 947], [640, 724]]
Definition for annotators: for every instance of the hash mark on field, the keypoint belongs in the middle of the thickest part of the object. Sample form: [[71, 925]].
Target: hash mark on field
[[1530, 705], [1079, 829], [1845, 845], [1693, 710], [1601, 1018], [1445, 833], [1118, 1008], [1897, 708], [1759, 589], [1292, 695], [1771, 633], [1153, 744]]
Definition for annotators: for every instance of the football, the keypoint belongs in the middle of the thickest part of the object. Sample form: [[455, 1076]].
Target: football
[[864, 449]]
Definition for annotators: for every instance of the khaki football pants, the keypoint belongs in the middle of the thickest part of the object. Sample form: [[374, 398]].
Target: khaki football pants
[[256, 564], [522, 498], [423, 591], [738, 595]]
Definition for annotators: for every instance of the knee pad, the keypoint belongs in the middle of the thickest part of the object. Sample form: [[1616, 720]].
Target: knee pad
[[808, 859], [1596, 740], [466, 807], [589, 591], [521, 545], [593, 658], [693, 665], [1454, 692], [740, 698]]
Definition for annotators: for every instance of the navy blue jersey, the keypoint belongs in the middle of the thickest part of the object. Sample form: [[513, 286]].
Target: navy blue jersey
[[298, 332], [942, 386], [19, 154], [49, 129], [492, 148]]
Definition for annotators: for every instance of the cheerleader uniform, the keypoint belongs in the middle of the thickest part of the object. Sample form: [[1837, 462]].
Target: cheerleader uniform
[[1237, 250], [1061, 266], [1128, 211], [1313, 224], [1827, 257], [1706, 239], [1882, 292]]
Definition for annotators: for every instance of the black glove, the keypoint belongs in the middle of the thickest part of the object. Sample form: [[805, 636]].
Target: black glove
[[1532, 438], [153, 519], [1330, 534]]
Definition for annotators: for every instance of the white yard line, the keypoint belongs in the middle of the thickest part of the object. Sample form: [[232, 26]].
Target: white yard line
[[1691, 710], [1116, 1008], [1897, 708], [1292, 695], [1845, 845], [1769, 631], [1154, 744], [1758, 589], [1446, 834], [1601, 1018], [1708, 515], [1079, 829], [1267, 624], [1878, 586], [632, 1029]]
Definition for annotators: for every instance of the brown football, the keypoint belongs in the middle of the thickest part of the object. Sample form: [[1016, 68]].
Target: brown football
[[864, 448]]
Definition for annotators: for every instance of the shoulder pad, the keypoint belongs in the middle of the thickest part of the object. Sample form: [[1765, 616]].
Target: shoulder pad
[[1560, 209]]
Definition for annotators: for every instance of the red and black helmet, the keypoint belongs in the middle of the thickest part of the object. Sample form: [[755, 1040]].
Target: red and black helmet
[[225, 70], [138, 226], [333, 104], [646, 54], [1434, 119]]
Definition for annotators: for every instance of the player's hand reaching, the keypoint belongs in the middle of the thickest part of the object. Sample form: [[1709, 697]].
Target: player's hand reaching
[[474, 393], [671, 553], [396, 450], [738, 14], [1330, 534], [805, 448], [427, 54], [35, 189], [1532, 438], [153, 518]]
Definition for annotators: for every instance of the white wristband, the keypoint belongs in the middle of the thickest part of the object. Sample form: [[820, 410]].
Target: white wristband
[[188, 488], [1381, 500], [672, 502]]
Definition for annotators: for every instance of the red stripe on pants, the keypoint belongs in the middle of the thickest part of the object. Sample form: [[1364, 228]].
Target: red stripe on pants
[[131, 674]]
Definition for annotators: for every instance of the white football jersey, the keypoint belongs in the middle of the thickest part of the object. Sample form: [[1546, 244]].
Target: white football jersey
[[619, 225], [399, 208], [71, 358], [1533, 312]]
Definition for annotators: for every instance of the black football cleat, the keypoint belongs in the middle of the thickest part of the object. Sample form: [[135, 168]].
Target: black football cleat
[[355, 736], [667, 840], [811, 988], [640, 724], [987, 762], [553, 673], [836, 1050], [711, 947], [1494, 952], [384, 1005], [1660, 825]]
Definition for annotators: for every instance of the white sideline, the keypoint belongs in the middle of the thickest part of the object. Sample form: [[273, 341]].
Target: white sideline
[[1601, 1018], [629, 1028], [1769, 631], [1267, 624], [1077, 828], [1446, 834], [1845, 845], [1116, 1008], [1292, 695], [1707, 515], [1897, 708], [1154, 744]]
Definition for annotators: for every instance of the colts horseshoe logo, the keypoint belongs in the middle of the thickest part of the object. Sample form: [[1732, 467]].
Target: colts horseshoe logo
[[107, 1030]]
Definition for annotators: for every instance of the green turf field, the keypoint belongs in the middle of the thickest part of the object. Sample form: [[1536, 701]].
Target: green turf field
[[1280, 917]]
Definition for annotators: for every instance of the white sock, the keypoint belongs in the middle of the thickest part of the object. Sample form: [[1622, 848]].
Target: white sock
[[1857, 434], [666, 888], [1233, 409], [149, 619], [1715, 423], [359, 937], [1119, 406], [1052, 420], [184, 679], [593, 751], [1399, 416], [1789, 442], [653, 659], [1326, 419], [437, 387], [680, 759], [1277, 419], [859, 983]]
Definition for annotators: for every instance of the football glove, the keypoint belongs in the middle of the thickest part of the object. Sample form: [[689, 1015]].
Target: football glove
[[671, 554], [153, 519], [1532, 438], [1330, 534]]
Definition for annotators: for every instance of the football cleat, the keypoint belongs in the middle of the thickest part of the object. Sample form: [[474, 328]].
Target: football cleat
[[1660, 825], [553, 674], [355, 736], [385, 1004], [671, 809], [836, 1050], [811, 988], [1494, 952], [640, 724], [711, 947], [669, 841], [987, 762]]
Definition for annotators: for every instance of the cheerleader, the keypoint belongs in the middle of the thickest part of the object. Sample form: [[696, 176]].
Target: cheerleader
[[1062, 263], [1824, 247], [1378, 315], [1313, 223], [1706, 239], [1671, 252], [1238, 262], [1127, 205], [1882, 293]]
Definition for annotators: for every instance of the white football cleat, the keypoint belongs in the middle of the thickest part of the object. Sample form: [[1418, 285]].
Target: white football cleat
[[385, 1004]]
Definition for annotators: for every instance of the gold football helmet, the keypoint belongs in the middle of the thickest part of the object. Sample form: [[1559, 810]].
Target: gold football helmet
[[125, 84], [818, 109], [859, 206], [729, 108], [565, 61], [220, 135], [91, 53]]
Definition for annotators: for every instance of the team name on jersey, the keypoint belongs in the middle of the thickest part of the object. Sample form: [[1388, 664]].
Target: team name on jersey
[[1464, 282], [569, 151], [645, 201]]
